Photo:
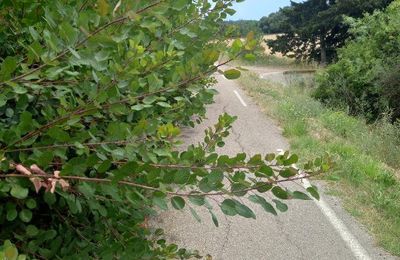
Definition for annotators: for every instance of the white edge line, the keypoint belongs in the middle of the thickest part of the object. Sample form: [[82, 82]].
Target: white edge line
[[358, 251], [240, 98], [356, 248]]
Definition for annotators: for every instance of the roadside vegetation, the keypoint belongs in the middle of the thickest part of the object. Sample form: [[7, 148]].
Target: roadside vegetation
[[366, 174], [313, 30], [351, 111], [366, 78]]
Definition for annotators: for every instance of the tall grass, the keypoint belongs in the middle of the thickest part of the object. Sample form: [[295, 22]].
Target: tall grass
[[367, 157]]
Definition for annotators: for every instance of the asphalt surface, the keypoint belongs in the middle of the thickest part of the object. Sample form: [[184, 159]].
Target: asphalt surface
[[304, 232]]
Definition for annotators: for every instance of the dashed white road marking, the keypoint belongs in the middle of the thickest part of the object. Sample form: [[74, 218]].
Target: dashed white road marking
[[240, 98], [357, 249]]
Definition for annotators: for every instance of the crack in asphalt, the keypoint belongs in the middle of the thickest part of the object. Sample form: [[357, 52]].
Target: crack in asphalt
[[226, 239], [238, 141], [228, 221], [288, 238]]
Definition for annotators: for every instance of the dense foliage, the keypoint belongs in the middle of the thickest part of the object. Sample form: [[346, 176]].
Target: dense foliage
[[241, 28], [93, 96], [365, 80], [274, 22], [314, 29]]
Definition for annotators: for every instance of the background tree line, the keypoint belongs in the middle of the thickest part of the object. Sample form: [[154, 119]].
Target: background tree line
[[315, 29], [241, 28], [363, 78]]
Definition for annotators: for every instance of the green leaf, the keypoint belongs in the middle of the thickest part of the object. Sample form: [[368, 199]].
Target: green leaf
[[270, 157], [25, 215], [314, 192], [86, 189], [32, 231], [261, 201], [10, 253], [21, 257], [243, 210], [11, 213], [238, 189], [250, 57], [19, 192], [179, 4], [58, 134], [49, 198], [103, 7], [266, 171], [214, 218], [263, 187], [280, 193], [292, 159], [300, 196], [197, 200], [228, 207], [8, 66], [237, 46], [282, 207], [160, 202], [104, 166], [17, 88], [232, 74], [194, 214], [164, 104], [288, 172], [138, 107], [30, 203], [68, 33], [177, 202]]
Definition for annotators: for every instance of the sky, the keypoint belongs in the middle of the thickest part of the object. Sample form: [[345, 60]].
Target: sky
[[255, 9]]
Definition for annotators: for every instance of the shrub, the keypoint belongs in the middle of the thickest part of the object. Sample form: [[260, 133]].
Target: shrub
[[365, 79], [92, 97]]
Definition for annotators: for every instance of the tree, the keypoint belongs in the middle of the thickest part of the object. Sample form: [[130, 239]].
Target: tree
[[314, 29], [93, 96], [365, 79], [275, 22]]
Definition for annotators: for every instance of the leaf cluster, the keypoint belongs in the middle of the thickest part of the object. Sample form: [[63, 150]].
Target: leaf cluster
[[365, 78], [93, 97]]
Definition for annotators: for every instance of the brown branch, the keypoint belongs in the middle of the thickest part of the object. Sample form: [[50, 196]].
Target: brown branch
[[145, 187], [82, 111], [83, 6], [66, 146]]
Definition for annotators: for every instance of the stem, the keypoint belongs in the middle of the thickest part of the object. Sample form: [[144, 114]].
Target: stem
[[82, 111], [137, 185]]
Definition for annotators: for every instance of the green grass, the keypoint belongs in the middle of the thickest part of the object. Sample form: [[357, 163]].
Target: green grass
[[367, 157]]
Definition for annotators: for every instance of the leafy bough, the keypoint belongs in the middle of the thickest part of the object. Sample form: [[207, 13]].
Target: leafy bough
[[93, 97]]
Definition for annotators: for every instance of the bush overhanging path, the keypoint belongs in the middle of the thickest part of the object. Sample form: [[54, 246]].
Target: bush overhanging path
[[93, 97]]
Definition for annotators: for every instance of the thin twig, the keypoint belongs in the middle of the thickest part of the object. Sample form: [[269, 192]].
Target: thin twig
[[137, 185], [82, 111]]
